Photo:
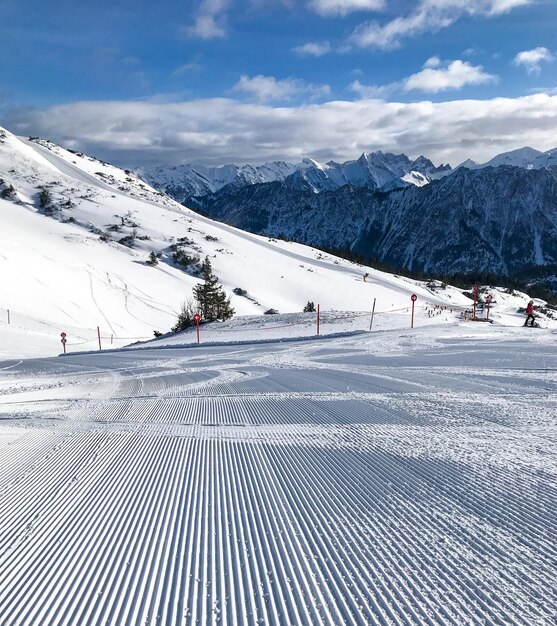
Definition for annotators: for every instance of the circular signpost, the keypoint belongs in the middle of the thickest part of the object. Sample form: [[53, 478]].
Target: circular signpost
[[63, 340], [197, 319], [413, 297]]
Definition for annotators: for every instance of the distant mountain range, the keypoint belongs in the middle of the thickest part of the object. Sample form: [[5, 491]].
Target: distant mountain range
[[498, 217], [381, 171], [376, 170]]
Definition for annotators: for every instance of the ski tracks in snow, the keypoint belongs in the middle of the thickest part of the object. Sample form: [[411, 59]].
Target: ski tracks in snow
[[280, 486]]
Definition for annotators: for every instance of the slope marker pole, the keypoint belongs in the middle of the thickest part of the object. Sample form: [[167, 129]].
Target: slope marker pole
[[197, 319], [372, 312], [318, 316], [99, 336]]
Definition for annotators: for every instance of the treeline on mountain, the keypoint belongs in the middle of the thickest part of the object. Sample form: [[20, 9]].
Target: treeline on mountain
[[462, 280]]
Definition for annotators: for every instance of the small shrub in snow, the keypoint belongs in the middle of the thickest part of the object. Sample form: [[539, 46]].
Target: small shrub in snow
[[240, 292], [8, 192], [270, 312], [309, 308], [185, 317], [152, 260], [45, 199], [127, 241], [182, 258]]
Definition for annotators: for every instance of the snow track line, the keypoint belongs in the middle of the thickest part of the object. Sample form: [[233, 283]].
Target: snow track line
[[247, 492]]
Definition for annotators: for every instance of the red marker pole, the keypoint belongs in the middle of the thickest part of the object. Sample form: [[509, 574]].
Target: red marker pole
[[99, 336], [475, 299], [488, 300], [196, 319], [318, 317], [63, 340], [413, 297]]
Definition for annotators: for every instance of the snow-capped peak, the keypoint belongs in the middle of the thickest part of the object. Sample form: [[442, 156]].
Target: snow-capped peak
[[522, 157]]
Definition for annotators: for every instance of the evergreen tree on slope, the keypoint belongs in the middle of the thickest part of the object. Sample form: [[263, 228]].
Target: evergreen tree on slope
[[212, 300]]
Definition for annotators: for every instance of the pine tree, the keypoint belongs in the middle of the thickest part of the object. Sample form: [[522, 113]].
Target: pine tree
[[44, 198], [212, 300]]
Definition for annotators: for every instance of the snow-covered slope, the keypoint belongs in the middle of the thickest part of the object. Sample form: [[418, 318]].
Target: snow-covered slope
[[79, 261], [396, 478], [546, 159]]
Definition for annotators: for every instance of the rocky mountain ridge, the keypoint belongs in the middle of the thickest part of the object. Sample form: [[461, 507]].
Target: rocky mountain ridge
[[374, 170], [501, 220]]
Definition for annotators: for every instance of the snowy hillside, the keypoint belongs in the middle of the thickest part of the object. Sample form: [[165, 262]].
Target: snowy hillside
[[79, 260]]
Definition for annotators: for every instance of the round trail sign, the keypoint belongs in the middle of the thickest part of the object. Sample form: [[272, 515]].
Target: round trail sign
[[197, 318], [63, 335], [489, 298], [413, 297]]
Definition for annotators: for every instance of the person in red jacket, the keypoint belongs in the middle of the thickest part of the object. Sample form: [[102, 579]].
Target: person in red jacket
[[529, 314]]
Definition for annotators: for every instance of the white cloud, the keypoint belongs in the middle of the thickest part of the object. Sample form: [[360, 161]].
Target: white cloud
[[435, 76], [210, 21], [268, 88], [218, 131], [429, 16], [186, 68], [370, 91], [314, 49], [433, 62], [455, 75], [343, 7], [531, 59]]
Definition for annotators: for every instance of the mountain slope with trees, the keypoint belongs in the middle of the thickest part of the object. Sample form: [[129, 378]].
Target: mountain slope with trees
[[499, 220]]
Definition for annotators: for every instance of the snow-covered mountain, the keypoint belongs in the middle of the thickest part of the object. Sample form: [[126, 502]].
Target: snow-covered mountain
[[75, 237], [501, 220], [527, 158], [183, 181], [382, 171], [375, 170]]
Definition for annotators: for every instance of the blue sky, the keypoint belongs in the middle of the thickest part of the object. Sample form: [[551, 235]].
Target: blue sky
[[148, 82]]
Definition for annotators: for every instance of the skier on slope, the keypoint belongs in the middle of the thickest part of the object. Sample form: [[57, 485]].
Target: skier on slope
[[530, 314]]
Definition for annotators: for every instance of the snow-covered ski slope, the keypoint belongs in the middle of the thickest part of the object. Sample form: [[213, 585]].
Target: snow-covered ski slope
[[56, 274], [390, 478]]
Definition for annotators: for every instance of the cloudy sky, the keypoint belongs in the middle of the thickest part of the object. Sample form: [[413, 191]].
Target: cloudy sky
[[139, 82]]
